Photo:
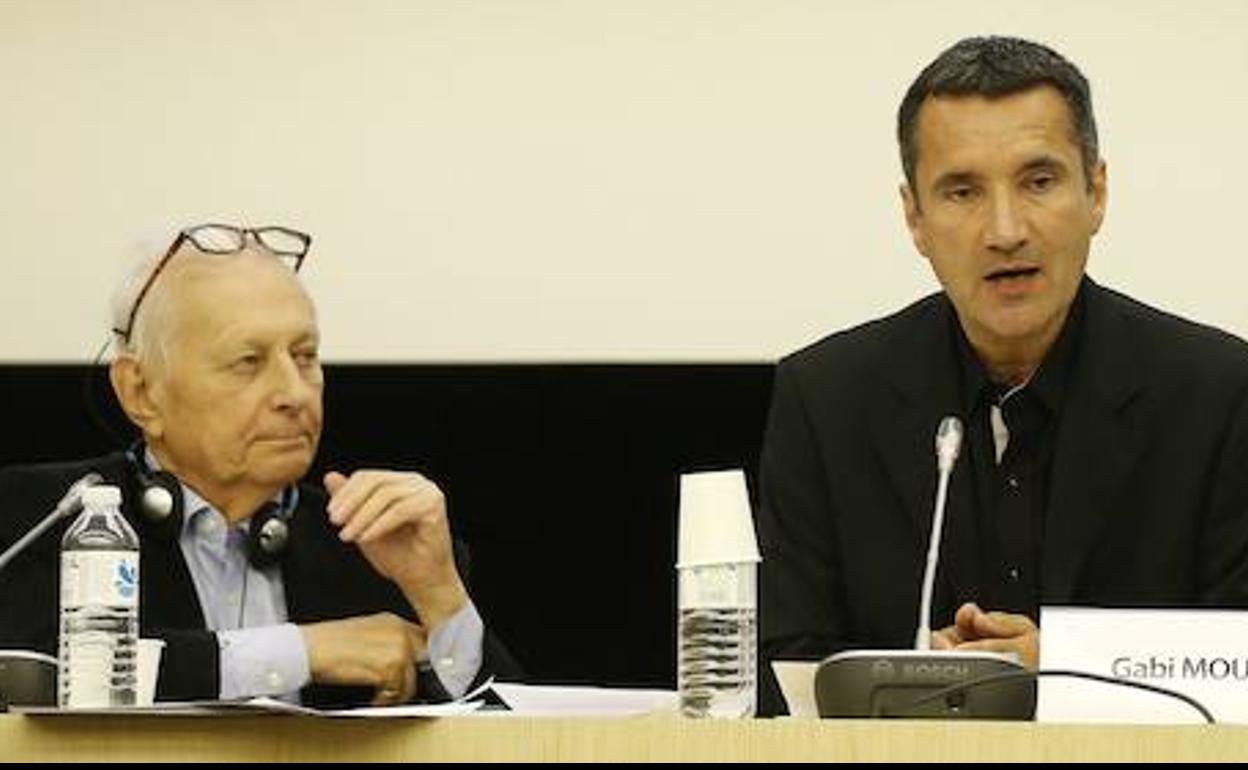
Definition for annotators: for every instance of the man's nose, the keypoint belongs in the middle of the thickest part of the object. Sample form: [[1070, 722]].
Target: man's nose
[[291, 389], [1006, 230]]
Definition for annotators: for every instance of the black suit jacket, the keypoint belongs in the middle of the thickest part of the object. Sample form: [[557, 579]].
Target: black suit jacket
[[1148, 498], [323, 579]]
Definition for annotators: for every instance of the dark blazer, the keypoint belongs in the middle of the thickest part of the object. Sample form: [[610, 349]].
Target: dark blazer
[[323, 579], [1148, 498]]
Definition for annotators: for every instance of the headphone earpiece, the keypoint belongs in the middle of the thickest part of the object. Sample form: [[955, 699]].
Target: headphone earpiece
[[160, 501], [267, 536], [160, 496]]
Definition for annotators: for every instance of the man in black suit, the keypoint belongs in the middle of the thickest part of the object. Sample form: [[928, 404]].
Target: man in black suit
[[218, 366], [1106, 452]]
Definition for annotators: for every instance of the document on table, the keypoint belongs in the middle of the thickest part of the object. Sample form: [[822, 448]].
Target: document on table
[[545, 700], [467, 704]]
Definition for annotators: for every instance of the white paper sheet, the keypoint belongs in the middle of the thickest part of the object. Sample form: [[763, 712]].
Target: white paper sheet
[[797, 684], [543, 700]]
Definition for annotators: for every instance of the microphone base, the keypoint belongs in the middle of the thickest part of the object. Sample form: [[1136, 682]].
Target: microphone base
[[886, 683], [27, 679]]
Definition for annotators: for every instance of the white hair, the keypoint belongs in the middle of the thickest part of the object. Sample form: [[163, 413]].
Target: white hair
[[148, 338]]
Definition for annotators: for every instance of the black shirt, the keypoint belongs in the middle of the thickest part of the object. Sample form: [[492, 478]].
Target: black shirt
[[1011, 483]]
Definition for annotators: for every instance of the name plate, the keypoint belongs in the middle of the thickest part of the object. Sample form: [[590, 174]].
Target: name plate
[[1200, 653]]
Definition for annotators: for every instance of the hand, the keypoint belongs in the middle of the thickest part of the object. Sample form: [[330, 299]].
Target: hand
[[399, 522], [974, 629], [379, 650]]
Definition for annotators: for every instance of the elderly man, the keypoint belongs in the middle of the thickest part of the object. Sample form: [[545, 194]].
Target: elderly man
[[356, 599]]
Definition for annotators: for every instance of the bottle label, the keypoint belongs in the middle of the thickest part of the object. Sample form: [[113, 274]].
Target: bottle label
[[101, 578], [718, 585]]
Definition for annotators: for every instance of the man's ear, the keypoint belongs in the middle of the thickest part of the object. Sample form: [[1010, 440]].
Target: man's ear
[[133, 387], [1100, 194], [914, 218]]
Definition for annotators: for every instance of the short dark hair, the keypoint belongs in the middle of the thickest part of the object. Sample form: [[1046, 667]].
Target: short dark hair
[[992, 67]]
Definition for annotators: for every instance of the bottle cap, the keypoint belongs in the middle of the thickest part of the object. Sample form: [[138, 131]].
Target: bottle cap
[[101, 496], [716, 526]]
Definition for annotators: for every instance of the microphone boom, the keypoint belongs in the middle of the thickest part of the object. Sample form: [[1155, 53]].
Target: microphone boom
[[69, 505]]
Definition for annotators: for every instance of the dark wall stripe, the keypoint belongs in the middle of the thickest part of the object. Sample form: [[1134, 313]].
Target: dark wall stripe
[[562, 478]]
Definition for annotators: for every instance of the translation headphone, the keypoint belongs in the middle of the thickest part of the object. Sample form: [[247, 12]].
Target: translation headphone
[[160, 501]]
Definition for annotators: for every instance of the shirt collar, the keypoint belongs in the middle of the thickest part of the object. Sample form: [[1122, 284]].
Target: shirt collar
[[196, 507], [1048, 384]]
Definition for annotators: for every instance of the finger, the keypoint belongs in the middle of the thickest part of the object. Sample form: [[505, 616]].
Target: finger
[[965, 619], [945, 639], [359, 487], [359, 510], [388, 500], [392, 679], [387, 695], [1012, 644], [1003, 625], [424, 507], [352, 493], [398, 685], [333, 482]]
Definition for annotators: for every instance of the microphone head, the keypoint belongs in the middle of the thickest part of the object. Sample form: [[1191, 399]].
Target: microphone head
[[948, 442], [71, 503], [91, 479]]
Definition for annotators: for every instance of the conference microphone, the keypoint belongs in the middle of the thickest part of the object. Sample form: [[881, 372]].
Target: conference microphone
[[948, 444], [70, 505], [872, 683]]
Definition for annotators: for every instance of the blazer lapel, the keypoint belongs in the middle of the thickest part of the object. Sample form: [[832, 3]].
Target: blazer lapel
[[923, 387], [1097, 446], [172, 598]]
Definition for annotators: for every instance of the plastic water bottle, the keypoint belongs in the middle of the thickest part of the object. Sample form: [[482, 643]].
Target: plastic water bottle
[[717, 640], [99, 605], [717, 626]]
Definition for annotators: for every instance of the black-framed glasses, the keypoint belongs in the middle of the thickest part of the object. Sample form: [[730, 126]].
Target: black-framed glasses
[[291, 246]]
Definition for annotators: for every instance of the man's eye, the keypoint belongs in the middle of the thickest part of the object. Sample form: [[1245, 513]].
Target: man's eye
[[1041, 182], [960, 194]]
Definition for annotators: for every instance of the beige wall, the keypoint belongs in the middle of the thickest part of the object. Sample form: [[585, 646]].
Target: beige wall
[[541, 180]]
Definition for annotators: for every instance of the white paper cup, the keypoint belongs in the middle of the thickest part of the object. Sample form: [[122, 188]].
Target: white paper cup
[[148, 668], [716, 526]]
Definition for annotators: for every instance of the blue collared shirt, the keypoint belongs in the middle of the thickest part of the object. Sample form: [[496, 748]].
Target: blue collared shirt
[[260, 652]]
